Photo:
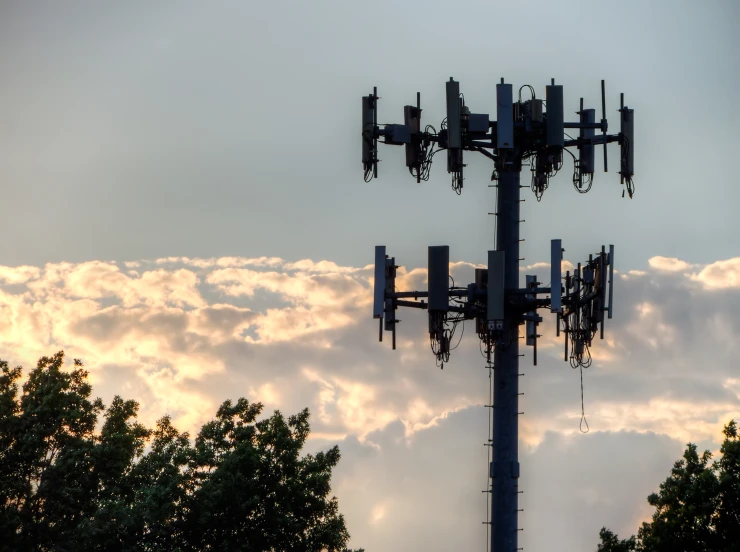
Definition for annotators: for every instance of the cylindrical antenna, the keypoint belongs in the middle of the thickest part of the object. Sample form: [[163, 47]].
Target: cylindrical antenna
[[603, 121], [418, 100]]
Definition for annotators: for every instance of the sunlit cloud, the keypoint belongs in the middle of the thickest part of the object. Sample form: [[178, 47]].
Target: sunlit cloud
[[18, 274], [191, 332], [720, 275], [378, 513], [669, 264]]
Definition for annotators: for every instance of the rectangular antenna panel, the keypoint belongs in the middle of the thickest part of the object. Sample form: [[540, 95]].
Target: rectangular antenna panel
[[454, 160], [454, 137], [611, 278], [379, 285], [495, 305], [390, 287], [531, 328], [556, 290], [602, 274], [481, 284], [368, 129], [412, 119], [535, 110], [504, 116], [588, 276], [481, 279], [628, 142], [586, 160], [555, 122], [439, 277], [600, 285]]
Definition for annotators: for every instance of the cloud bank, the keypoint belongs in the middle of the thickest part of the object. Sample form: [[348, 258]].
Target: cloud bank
[[181, 335]]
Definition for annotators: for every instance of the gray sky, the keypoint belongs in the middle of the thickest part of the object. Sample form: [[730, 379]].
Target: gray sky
[[231, 128], [224, 132]]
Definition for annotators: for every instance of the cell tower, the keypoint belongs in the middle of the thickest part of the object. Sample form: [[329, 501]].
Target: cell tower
[[530, 130]]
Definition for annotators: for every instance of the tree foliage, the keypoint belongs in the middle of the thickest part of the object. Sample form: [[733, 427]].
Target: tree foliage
[[697, 508], [610, 542], [240, 484]]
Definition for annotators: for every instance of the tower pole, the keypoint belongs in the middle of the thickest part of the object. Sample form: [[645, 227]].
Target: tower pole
[[505, 466]]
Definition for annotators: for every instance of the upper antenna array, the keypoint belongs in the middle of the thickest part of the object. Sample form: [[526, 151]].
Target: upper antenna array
[[527, 129]]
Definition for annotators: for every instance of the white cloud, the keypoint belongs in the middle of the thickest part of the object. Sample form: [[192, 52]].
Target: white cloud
[[18, 274], [308, 265], [669, 264], [720, 275]]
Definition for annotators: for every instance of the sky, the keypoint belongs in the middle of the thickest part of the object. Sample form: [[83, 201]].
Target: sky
[[184, 210]]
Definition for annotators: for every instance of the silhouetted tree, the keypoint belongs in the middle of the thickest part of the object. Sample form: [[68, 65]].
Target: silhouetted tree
[[611, 543], [241, 485], [697, 508]]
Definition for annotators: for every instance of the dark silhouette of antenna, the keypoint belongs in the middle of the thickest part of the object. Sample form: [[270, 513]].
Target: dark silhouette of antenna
[[533, 130]]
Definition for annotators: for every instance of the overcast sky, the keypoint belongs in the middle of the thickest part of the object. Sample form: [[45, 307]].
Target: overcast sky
[[184, 210]]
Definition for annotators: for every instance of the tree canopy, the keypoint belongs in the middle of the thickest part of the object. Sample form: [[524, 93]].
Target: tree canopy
[[77, 476], [697, 508]]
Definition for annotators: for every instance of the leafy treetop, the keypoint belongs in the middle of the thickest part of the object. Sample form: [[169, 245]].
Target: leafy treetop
[[240, 484]]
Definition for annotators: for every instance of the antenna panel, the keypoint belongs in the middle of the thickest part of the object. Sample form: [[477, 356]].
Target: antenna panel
[[454, 136], [504, 116], [379, 285], [368, 131], [535, 110], [556, 290], [611, 279], [555, 122], [412, 119], [439, 277], [454, 160], [390, 302], [599, 306], [627, 142], [481, 279], [586, 160], [495, 310], [531, 326], [481, 284]]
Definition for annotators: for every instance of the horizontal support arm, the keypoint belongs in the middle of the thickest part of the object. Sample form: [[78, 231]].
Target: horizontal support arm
[[534, 291], [412, 304], [423, 305], [598, 139], [422, 294], [598, 126]]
